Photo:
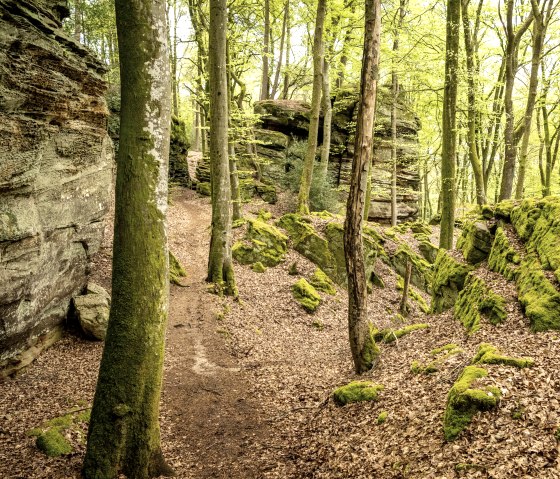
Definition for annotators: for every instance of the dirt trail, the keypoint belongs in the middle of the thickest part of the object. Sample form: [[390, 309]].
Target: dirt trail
[[205, 396]]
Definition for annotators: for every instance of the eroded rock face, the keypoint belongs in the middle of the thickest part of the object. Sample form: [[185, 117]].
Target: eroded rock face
[[283, 121], [56, 163]]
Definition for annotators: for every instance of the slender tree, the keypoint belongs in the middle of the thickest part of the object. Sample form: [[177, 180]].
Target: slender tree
[[318, 55], [449, 139], [327, 122], [220, 264], [265, 79], [124, 434], [362, 344]]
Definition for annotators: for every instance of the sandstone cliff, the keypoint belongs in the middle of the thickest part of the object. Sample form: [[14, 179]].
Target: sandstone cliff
[[55, 173]]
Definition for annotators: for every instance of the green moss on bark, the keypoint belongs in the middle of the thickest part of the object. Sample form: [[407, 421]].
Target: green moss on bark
[[356, 391], [463, 401]]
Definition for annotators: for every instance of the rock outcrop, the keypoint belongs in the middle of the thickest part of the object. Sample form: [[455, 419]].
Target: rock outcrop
[[56, 163], [283, 121]]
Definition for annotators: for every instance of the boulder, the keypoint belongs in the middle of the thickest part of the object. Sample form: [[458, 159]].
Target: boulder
[[55, 176], [92, 311], [475, 241]]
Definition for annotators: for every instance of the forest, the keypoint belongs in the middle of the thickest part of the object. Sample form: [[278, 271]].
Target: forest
[[274, 239]]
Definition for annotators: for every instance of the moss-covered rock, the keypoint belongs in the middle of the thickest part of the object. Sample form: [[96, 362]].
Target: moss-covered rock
[[258, 267], [476, 301], [53, 443], [204, 188], [416, 367], [322, 282], [503, 258], [503, 210], [448, 280], [357, 391], [266, 192], [464, 401], [427, 249], [524, 217], [263, 243], [419, 227], [488, 354], [176, 270], [475, 241], [178, 151], [389, 335], [538, 296], [306, 295], [421, 272], [383, 415]]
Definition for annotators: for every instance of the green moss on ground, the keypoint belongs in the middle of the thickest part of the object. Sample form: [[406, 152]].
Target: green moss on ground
[[463, 401], [306, 295], [488, 354], [382, 417], [503, 258], [293, 269], [442, 354], [176, 270], [448, 280], [258, 267], [53, 443], [389, 335], [263, 243], [538, 296], [476, 301], [357, 391], [322, 282], [423, 368], [446, 348]]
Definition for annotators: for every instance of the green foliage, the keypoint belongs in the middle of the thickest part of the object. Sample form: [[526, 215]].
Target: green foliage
[[463, 402], [306, 295], [356, 391], [488, 354], [477, 300]]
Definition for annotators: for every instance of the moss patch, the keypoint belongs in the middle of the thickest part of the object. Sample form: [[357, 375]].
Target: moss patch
[[448, 280], [258, 267], [322, 282], [357, 391], [306, 295], [176, 270], [503, 258], [475, 241], [382, 417], [263, 243], [463, 401], [488, 354], [390, 335], [476, 301]]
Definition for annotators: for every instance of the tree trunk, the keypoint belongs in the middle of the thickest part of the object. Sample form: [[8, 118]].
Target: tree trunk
[[362, 344], [234, 180], [124, 433], [476, 164], [286, 85], [266, 51], [318, 54], [276, 83], [327, 123], [220, 265], [449, 134], [512, 45]]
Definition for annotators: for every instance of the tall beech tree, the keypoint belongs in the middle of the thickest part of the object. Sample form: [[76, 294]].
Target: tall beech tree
[[362, 344], [220, 264], [318, 57], [449, 133], [124, 433]]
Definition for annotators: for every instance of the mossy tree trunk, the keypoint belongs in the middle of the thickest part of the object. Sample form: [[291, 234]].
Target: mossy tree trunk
[[361, 342], [220, 264], [124, 434], [449, 133], [318, 54]]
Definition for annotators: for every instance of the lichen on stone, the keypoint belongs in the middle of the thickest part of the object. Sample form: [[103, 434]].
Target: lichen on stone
[[322, 282], [357, 391], [488, 354], [448, 280], [463, 401], [306, 295], [476, 301]]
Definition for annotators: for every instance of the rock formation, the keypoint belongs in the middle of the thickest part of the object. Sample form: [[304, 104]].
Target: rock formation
[[56, 163], [283, 121]]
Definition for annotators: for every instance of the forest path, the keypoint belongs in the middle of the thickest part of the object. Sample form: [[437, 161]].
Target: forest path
[[208, 419]]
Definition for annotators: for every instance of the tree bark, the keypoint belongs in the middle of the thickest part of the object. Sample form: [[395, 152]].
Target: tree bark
[[362, 344], [265, 80], [449, 133], [327, 122], [470, 42], [318, 55], [276, 83], [286, 80], [220, 264], [124, 433]]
